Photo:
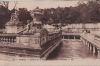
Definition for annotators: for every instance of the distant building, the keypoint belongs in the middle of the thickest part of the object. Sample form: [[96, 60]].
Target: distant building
[[36, 13]]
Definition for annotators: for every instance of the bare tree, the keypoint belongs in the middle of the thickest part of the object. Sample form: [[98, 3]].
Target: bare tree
[[5, 3], [15, 4]]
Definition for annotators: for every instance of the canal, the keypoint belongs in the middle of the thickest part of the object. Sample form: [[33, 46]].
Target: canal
[[71, 49]]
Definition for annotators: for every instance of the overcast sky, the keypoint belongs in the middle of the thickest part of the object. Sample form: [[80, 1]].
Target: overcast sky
[[31, 4]]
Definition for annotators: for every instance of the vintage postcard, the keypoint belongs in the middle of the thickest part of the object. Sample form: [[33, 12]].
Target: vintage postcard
[[49, 32]]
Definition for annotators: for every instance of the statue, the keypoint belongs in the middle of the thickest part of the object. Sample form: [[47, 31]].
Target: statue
[[14, 25], [14, 17]]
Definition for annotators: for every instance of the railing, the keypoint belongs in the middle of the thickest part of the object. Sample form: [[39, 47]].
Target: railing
[[70, 36], [91, 43], [79, 30], [28, 44], [8, 38]]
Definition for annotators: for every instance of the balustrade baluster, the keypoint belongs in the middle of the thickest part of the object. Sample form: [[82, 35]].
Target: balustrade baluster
[[14, 39], [89, 45], [0, 39], [3, 39], [11, 39], [96, 52], [92, 48], [99, 54], [8, 39]]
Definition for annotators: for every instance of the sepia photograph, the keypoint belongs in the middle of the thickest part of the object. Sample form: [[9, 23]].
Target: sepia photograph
[[49, 32]]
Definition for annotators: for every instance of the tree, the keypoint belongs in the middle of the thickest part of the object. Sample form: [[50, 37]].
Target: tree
[[4, 16], [5, 3], [24, 15], [5, 13]]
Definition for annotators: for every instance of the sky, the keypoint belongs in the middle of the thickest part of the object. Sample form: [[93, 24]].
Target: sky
[[32, 4]]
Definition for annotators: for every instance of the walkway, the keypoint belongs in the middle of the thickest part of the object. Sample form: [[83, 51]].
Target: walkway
[[72, 50]]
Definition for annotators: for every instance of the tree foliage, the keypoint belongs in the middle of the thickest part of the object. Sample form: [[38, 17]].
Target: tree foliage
[[83, 13], [24, 15], [4, 16]]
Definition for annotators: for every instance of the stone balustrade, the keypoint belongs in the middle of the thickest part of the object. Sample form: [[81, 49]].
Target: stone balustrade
[[70, 36], [8, 38], [92, 44]]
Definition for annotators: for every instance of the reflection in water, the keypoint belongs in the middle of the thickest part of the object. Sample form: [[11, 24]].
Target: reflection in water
[[71, 50]]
